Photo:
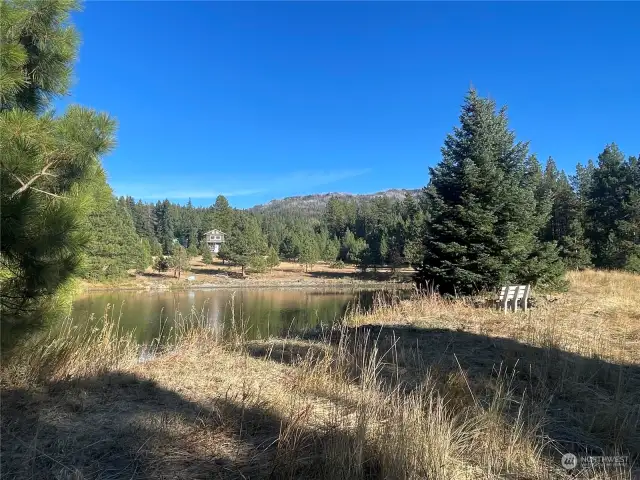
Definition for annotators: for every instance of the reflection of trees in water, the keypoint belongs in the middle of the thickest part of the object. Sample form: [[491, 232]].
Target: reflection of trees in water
[[259, 313]]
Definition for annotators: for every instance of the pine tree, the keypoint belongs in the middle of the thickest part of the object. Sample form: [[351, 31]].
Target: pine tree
[[272, 258], [164, 226], [114, 247], [352, 247], [613, 220], [207, 258], [222, 214], [484, 218], [565, 224], [245, 241], [161, 264], [290, 247], [179, 260], [331, 251], [309, 254], [383, 250], [46, 162]]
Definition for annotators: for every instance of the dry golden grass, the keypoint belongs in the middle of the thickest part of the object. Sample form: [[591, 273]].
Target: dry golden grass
[[422, 388]]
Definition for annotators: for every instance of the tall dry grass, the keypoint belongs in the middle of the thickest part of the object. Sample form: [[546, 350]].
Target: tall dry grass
[[419, 388]]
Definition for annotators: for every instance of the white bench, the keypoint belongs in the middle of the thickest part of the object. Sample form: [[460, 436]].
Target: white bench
[[514, 296]]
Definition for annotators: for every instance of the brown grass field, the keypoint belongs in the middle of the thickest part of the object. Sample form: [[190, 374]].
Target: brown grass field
[[420, 388]]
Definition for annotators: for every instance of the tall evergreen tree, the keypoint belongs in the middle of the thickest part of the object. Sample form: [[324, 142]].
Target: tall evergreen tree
[[46, 161], [613, 221], [222, 214], [565, 225], [484, 219], [309, 254], [114, 247], [245, 241], [164, 226]]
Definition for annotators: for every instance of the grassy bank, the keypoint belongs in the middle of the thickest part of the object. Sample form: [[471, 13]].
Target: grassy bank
[[422, 388]]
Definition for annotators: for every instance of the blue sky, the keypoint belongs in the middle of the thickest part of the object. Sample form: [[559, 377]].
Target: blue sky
[[265, 100]]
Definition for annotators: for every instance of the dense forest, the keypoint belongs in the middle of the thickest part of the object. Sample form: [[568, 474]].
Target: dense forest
[[490, 213]]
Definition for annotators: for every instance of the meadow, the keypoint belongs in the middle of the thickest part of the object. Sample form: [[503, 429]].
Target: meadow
[[420, 388]]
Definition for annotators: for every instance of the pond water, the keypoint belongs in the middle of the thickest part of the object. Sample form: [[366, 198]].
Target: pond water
[[151, 315]]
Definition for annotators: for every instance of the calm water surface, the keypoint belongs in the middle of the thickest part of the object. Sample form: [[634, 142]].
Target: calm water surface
[[259, 312]]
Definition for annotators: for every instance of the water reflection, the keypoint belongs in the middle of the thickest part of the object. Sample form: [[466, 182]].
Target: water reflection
[[257, 312]]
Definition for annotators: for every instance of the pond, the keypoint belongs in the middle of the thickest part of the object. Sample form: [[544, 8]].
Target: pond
[[262, 312]]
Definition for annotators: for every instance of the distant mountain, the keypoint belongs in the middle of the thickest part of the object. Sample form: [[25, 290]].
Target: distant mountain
[[315, 204]]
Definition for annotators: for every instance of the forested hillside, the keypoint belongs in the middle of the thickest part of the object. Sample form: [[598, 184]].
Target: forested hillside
[[315, 205]]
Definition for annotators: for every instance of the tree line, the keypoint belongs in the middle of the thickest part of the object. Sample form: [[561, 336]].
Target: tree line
[[490, 214]]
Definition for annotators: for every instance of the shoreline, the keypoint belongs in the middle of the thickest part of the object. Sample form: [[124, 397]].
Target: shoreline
[[286, 275], [358, 285]]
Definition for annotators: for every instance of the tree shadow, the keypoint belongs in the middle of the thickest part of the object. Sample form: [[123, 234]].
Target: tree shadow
[[153, 275], [212, 271], [378, 276], [118, 425], [586, 405]]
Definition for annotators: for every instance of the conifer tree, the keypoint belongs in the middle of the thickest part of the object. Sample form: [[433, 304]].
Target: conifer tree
[[484, 217], [565, 224], [331, 251], [245, 241], [309, 254], [114, 247], [179, 260], [272, 258], [207, 258], [46, 161], [613, 211], [222, 214], [164, 226]]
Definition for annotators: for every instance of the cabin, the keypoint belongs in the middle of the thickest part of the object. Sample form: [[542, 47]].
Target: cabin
[[214, 239]]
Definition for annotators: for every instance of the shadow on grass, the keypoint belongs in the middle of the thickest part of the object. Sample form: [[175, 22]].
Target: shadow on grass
[[120, 426], [153, 275], [377, 276], [586, 405]]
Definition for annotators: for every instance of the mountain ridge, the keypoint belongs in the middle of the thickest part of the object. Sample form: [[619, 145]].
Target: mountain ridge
[[315, 203]]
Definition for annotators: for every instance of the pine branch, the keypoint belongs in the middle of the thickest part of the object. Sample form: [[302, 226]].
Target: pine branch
[[26, 185]]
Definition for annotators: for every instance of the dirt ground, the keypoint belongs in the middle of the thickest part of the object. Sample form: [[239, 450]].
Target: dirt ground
[[201, 275]]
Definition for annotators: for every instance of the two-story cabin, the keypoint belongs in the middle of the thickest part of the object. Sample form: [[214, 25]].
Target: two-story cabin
[[214, 239]]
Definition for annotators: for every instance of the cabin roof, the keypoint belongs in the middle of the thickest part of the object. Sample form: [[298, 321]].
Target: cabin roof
[[215, 232]]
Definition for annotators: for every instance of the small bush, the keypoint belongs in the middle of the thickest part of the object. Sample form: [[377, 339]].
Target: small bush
[[338, 264]]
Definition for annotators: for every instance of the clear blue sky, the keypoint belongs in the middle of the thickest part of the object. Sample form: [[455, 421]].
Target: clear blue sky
[[266, 100]]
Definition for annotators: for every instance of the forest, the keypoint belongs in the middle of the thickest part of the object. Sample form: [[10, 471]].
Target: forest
[[490, 211], [481, 221]]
